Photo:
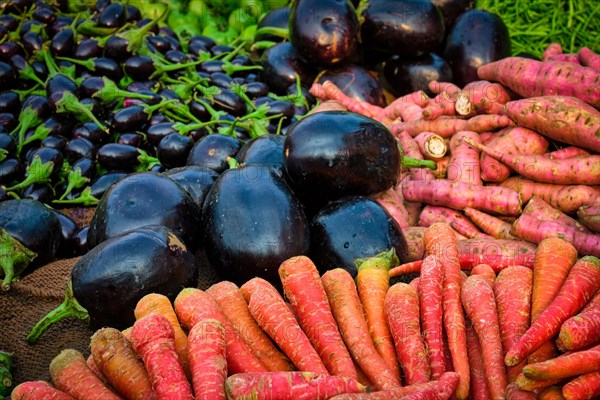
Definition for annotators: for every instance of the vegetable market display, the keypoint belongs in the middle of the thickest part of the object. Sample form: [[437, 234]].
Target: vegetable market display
[[392, 212]]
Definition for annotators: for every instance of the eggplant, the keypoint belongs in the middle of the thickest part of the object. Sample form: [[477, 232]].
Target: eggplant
[[145, 198], [403, 75], [264, 150], [107, 282], [30, 235], [280, 64], [276, 18], [410, 27], [102, 183], [324, 32], [212, 151], [195, 180], [478, 37], [252, 223], [452, 9], [332, 154], [173, 150], [356, 82], [350, 228]]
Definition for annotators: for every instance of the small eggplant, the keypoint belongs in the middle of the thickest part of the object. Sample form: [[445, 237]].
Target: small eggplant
[[213, 151], [63, 43], [124, 157], [403, 75], [149, 259], [264, 150], [195, 180], [281, 63], [87, 49], [102, 183], [173, 150]]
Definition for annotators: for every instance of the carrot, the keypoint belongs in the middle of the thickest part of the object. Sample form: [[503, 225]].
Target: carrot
[[411, 149], [544, 169], [566, 366], [583, 387], [534, 385], [70, 374], [464, 160], [327, 105], [566, 198], [393, 204], [588, 58], [92, 365], [579, 286], [402, 313], [514, 140], [459, 195], [289, 385], [529, 78], [432, 145], [580, 331], [430, 301], [38, 390], [446, 127], [551, 393], [479, 388], [562, 118], [208, 363], [480, 305], [415, 284], [160, 304], [232, 304], [329, 91], [304, 290], [481, 97], [485, 271], [348, 313], [539, 209], [443, 103], [593, 304], [565, 57], [441, 170], [512, 290], [397, 108], [514, 393], [153, 339], [590, 216], [193, 305], [458, 222], [567, 152], [551, 50], [118, 362], [491, 225], [440, 241], [275, 318]]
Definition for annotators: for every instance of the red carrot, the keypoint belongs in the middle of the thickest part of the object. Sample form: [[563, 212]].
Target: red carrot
[[579, 286], [446, 127], [304, 290], [512, 289], [593, 304], [539, 209], [480, 305], [440, 241], [432, 145], [590, 216], [566, 366], [289, 385], [329, 91], [491, 225], [275, 318], [584, 387], [443, 103], [118, 362], [565, 57], [479, 387], [396, 108], [70, 374], [551, 393], [487, 122], [458, 222], [464, 160], [153, 339], [430, 300], [534, 385], [193, 305], [589, 58], [459, 195], [481, 97], [567, 152], [92, 365], [348, 313], [208, 364], [485, 271], [514, 393], [232, 304], [402, 312], [529, 78], [391, 200], [580, 331], [38, 390]]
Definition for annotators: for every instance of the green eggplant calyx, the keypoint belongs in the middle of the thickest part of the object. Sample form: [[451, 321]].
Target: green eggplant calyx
[[14, 258]]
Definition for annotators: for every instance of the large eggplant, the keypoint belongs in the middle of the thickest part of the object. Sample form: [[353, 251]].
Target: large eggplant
[[403, 75], [145, 198], [356, 82], [478, 37], [253, 222], [280, 65], [107, 282]]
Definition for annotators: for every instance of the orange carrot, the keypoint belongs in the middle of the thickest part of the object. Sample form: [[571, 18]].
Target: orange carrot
[[514, 393], [480, 305], [479, 388], [579, 286], [289, 385], [551, 393], [402, 311], [38, 390], [153, 339], [304, 290], [489, 224], [565, 366], [532, 385], [160, 304], [273, 315], [208, 365], [118, 362], [485, 271], [233, 306], [554, 258], [415, 284], [407, 268], [92, 365], [512, 289], [580, 331], [584, 387], [348, 313], [430, 298], [372, 281], [193, 305], [440, 240], [71, 375]]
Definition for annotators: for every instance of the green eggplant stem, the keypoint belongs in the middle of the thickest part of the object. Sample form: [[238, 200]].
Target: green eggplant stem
[[283, 33], [14, 257], [409, 162], [36, 172], [71, 104], [84, 198], [386, 260]]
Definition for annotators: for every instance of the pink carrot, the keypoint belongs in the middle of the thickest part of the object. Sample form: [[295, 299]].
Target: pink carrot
[[567, 152], [584, 387], [580, 331], [589, 58], [329, 91], [402, 313], [580, 285], [464, 160], [397, 108], [480, 305], [515, 140], [551, 50], [565, 57], [566, 119], [295, 385], [459, 195], [458, 222], [208, 365], [514, 393], [446, 126], [540, 209], [529, 78], [432, 145], [38, 390], [544, 169], [479, 388], [491, 225], [590, 216], [443, 103], [153, 338], [512, 289], [481, 97], [392, 202]]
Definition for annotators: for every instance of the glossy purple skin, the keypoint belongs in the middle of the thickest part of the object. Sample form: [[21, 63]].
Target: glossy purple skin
[[356, 82], [280, 65], [403, 75]]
